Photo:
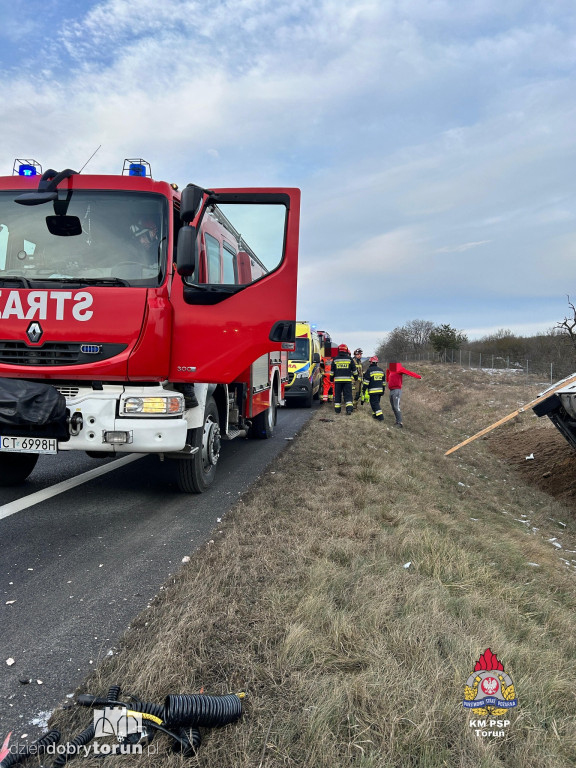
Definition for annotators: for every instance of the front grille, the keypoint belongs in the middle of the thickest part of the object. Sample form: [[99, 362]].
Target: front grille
[[68, 392], [54, 353]]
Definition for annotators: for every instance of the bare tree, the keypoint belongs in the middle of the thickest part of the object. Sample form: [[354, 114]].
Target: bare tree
[[396, 345], [568, 325], [419, 333]]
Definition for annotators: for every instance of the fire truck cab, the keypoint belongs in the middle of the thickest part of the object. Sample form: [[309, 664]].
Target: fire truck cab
[[135, 318]]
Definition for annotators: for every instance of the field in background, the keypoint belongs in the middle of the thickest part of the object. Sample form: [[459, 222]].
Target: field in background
[[350, 656]]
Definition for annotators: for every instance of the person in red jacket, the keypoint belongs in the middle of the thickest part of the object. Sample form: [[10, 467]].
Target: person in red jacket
[[394, 374]]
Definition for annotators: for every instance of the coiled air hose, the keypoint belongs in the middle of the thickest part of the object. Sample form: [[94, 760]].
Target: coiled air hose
[[37, 747], [179, 717], [72, 747], [199, 710]]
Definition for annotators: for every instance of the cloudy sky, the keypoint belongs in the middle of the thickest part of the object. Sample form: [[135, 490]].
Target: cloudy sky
[[434, 140]]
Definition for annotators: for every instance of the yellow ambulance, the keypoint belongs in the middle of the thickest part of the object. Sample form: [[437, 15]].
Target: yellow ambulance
[[304, 375]]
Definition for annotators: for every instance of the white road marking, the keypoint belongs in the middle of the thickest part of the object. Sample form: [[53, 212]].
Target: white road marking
[[65, 485]]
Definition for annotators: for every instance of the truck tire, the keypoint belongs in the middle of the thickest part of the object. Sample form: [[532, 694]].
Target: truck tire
[[15, 467], [196, 473], [308, 400], [263, 424]]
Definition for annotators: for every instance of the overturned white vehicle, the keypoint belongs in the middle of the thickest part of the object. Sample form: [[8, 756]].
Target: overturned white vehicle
[[560, 407]]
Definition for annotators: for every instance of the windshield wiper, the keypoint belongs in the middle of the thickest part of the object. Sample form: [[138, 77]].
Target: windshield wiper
[[87, 280], [15, 278]]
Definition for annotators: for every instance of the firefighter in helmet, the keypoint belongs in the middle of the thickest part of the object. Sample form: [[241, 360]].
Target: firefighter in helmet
[[343, 372], [374, 383], [357, 360], [145, 241], [145, 232]]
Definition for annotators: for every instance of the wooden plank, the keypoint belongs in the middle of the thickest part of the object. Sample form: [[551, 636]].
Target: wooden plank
[[540, 399]]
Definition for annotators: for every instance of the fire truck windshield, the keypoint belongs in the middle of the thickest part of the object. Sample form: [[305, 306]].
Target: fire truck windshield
[[122, 240]]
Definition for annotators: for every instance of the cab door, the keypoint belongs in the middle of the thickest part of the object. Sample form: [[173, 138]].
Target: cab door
[[221, 328]]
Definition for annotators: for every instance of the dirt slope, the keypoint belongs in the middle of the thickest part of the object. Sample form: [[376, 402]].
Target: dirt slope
[[553, 468]]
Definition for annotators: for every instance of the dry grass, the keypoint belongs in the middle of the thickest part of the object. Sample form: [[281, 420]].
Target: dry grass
[[347, 657]]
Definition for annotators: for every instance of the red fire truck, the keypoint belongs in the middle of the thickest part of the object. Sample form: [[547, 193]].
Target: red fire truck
[[135, 318]]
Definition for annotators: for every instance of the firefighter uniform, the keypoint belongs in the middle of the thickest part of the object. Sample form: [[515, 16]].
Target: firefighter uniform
[[342, 374], [357, 386], [374, 384]]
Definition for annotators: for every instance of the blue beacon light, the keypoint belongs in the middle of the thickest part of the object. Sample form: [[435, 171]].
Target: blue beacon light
[[137, 169], [27, 170]]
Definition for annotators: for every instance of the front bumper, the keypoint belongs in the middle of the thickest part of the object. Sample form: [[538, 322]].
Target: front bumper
[[301, 387], [99, 412]]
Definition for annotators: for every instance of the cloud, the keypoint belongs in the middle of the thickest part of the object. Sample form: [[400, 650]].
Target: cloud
[[461, 248], [433, 141]]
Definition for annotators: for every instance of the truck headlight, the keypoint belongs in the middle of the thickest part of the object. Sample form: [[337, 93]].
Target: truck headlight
[[154, 406], [302, 375]]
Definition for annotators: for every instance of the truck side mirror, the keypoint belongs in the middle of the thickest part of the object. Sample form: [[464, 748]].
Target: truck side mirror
[[190, 201], [315, 357], [186, 251]]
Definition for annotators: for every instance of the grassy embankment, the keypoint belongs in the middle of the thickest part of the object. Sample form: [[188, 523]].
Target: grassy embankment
[[347, 656]]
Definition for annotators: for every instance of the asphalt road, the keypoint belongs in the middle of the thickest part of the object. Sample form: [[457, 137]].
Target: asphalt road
[[77, 567]]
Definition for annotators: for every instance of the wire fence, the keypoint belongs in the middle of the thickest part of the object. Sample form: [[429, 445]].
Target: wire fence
[[551, 371]]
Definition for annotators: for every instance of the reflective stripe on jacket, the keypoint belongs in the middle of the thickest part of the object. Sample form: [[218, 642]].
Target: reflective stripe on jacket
[[374, 380], [343, 369]]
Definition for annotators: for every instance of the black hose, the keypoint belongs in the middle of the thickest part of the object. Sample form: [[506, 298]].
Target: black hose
[[180, 717], [37, 747], [114, 692], [147, 707], [87, 700], [72, 747], [199, 710]]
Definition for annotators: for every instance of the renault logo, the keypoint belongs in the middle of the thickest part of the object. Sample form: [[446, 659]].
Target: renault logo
[[34, 332]]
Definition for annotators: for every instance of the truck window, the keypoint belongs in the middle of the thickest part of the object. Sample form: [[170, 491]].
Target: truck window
[[228, 262], [242, 243], [213, 259]]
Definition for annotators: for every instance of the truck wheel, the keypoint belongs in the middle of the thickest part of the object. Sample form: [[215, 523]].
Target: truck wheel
[[264, 423], [308, 400], [15, 467], [196, 473]]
